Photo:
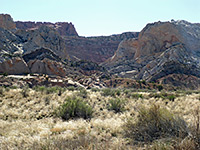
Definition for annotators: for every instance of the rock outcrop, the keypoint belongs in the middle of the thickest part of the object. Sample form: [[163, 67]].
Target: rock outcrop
[[45, 61], [43, 37], [181, 81], [63, 28], [7, 22], [14, 66], [95, 49], [162, 48]]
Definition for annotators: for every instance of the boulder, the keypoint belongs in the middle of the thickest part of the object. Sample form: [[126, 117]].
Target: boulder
[[47, 66], [14, 66]]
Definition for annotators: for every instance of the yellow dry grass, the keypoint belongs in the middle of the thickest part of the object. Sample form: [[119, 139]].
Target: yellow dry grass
[[27, 120]]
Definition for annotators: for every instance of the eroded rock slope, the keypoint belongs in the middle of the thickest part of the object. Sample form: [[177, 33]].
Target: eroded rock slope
[[162, 48]]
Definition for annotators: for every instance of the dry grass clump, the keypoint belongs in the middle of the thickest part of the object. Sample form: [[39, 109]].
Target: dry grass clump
[[83, 142], [155, 123]]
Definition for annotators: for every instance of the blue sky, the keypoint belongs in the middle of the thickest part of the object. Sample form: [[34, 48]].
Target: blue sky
[[102, 17]]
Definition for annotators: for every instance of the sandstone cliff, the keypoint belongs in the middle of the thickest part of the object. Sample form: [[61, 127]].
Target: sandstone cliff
[[40, 51], [162, 48], [7, 22], [95, 49], [44, 36], [63, 28]]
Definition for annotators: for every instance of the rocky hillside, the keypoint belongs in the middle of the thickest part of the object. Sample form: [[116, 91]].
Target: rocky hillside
[[95, 49], [165, 52], [63, 28], [162, 48], [16, 42], [40, 51]]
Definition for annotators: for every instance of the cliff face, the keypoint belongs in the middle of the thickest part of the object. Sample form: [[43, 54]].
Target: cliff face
[[162, 48], [63, 28], [41, 50], [44, 43], [44, 36], [7, 22], [96, 49], [167, 52]]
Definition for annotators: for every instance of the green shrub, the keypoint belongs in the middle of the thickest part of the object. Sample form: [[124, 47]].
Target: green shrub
[[82, 93], [71, 88], [154, 123], [111, 92], [164, 95], [159, 87], [52, 89], [171, 97], [116, 104], [95, 89], [137, 96], [74, 107], [39, 88], [49, 90], [108, 92]]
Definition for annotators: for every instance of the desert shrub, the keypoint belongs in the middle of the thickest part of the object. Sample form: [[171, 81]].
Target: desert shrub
[[39, 88], [136, 96], [160, 146], [116, 104], [74, 107], [185, 144], [164, 95], [159, 87], [95, 89], [127, 91], [49, 90], [82, 93], [108, 92], [195, 127], [25, 92], [154, 123], [52, 89], [111, 92], [71, 88], [171, 97], [1, 90]]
